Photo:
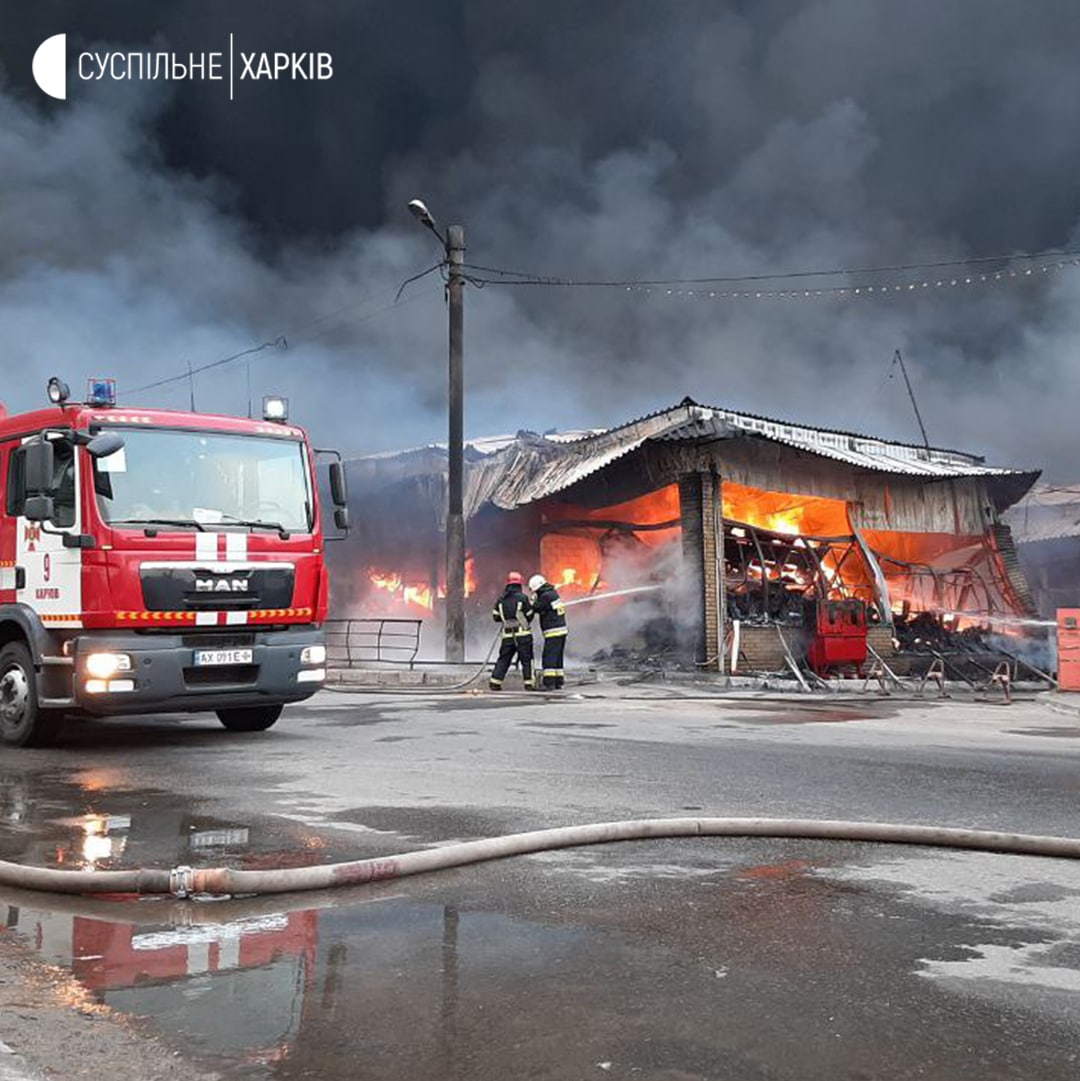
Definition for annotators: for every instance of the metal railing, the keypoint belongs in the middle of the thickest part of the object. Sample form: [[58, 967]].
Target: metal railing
[[351, 642]]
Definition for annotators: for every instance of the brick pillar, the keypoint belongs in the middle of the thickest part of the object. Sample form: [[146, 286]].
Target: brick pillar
[[701, 511]]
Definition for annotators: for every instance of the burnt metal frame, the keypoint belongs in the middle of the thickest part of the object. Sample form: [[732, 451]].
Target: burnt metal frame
[[812, 549], [973, 578]]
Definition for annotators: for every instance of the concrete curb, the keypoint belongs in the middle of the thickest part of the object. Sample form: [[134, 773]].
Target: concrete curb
[[399, 677]]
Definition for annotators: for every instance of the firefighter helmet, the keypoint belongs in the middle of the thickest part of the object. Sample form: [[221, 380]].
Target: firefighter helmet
[[514, 579], [536, 581]]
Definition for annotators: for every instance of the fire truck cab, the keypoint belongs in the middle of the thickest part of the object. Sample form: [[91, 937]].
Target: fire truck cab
[[158, 561]]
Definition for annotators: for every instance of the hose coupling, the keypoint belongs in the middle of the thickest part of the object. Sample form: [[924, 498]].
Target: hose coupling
[[182, 881]]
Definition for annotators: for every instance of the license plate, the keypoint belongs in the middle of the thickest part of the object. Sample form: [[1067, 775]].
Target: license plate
[[205, 657]]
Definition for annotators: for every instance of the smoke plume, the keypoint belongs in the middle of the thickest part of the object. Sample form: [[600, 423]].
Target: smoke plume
[[145, 227]]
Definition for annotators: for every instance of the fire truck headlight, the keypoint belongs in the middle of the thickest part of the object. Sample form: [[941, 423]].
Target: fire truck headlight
[[58, 391], [313, 655], [275, 408], [104, 665]]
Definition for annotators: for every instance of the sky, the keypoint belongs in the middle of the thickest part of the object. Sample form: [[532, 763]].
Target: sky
[[147, 226]]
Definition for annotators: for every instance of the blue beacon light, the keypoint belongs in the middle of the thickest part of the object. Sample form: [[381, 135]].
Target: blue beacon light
[[101, 392]]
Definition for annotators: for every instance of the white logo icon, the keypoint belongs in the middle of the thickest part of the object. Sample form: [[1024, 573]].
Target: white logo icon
[[50, 66]]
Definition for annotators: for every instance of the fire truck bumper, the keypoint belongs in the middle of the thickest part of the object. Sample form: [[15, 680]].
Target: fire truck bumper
[[190, 673]]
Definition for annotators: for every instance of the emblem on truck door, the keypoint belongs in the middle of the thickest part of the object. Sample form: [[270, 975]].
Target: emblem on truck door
[[221, 585]]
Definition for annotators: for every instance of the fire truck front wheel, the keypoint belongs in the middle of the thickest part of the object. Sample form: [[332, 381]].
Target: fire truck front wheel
[[251, 719], [22, 723]]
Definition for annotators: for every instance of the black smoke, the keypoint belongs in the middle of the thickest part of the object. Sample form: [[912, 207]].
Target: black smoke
[[143, 227]]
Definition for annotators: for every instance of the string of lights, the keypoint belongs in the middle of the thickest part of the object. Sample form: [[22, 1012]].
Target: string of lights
[[863, 290], [964, 273]]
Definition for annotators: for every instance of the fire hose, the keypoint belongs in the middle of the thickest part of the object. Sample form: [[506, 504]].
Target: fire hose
[[217, 881]]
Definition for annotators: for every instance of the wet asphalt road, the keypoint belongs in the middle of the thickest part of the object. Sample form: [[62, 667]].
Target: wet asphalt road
[[675, 960]]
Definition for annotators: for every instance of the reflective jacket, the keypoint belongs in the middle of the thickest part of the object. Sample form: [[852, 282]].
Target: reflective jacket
[[551, 611], [514, 612]]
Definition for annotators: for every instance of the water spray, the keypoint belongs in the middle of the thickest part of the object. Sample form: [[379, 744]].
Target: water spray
[[612, 593]]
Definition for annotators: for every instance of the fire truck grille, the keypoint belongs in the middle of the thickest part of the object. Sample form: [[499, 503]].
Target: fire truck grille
[[193, 588], [210, 640]]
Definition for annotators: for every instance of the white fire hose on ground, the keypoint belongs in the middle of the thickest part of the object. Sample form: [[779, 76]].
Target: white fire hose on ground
[[189, 881]]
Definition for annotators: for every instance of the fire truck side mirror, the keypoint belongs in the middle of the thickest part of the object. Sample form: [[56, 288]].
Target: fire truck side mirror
[[38, 508], [39, 464], [104, 444], [338, 491], [341, 518]]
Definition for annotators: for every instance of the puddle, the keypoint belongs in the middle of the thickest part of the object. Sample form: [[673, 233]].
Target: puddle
[[804, 716], [776, 712], [687, 961], [666, 959], [77, 822]]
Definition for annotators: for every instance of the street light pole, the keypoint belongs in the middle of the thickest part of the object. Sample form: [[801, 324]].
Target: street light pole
[[455, 516], [454, 246]]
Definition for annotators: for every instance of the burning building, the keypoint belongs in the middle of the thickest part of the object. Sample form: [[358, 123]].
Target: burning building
[[742, 527]]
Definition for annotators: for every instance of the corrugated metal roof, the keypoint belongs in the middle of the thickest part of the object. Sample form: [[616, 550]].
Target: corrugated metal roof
[[513, 471], [538, 466], [867, 452], [1047, 512]]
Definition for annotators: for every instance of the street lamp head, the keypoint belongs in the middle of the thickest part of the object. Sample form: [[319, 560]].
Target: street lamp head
[[419, 210]]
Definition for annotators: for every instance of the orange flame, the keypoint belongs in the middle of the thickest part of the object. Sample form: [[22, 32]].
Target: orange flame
[[390, 582], [417, 593]]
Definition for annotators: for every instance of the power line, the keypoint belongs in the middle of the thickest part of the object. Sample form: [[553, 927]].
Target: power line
[[416, 277], [862, 290], [279, 341], [282, 341], [361, 318], [514, 277], [395, 289]]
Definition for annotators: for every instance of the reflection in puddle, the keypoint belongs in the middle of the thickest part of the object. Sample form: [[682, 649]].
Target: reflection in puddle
[[77, 825], [754, 959], [769, 971], [232, 989], [739, 976]]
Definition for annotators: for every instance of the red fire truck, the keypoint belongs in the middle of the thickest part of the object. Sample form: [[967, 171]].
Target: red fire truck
[[155, 561]]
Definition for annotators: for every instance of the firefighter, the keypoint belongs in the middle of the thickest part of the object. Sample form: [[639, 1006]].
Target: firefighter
[[551, 612], [515, 613]]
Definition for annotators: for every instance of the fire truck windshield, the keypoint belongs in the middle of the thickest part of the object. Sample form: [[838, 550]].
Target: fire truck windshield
[[200, 479]]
